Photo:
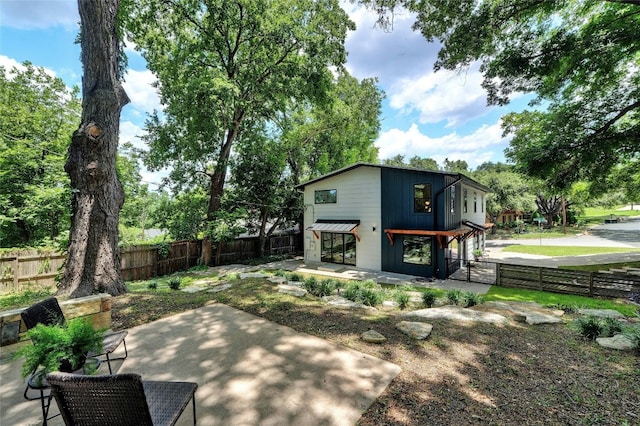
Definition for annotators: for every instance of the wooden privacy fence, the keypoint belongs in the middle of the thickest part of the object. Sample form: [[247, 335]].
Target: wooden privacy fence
[[567, 281], [37, 270]]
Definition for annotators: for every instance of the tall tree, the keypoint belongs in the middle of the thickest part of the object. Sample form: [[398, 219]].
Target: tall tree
[[38, 113], [509, 191], [221, 62], [579, 57], [93, 260]]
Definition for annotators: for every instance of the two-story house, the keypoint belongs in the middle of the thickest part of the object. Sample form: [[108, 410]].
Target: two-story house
[[394, 219]]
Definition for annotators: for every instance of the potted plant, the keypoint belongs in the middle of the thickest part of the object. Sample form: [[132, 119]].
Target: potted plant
[[477, 254], [60, 347]]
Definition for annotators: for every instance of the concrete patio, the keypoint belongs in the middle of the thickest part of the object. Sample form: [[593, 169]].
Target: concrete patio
[[250, 372]]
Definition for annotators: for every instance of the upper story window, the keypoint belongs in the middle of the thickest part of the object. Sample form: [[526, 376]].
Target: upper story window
[[475, 202], [464, 205], [326, 196], [422, 198], [453, 199]]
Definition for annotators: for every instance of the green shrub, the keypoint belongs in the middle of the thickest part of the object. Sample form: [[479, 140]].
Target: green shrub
[[402, 298], [175, 283], [371, 297], [311, 281], [633, 334], [294, 276], [429, 298], [318, 288], [611, 327], [234, 276], [589, 327], [469, 299], [198, 268], [152, 285], [453, 296], [352, 290], [366, 292], [280, 273]]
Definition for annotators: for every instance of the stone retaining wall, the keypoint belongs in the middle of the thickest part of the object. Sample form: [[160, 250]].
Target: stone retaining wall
[[97, 308]]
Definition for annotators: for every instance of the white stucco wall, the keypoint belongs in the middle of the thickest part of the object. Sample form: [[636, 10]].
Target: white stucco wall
[[476, 215], [358, 198]]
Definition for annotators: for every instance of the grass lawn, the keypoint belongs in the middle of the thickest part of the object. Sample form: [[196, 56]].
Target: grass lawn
[[558, 251], [544, 298]]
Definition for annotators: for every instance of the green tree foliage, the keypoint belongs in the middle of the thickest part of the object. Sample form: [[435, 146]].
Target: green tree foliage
[[509, 189], [579, 57], [415, 162], [626, 177], [183, 216], [38, 114]]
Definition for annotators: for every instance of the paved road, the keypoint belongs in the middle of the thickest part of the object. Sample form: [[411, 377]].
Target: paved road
[[624, 235]]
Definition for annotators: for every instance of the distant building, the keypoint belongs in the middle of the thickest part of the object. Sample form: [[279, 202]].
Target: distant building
[[394, 219]]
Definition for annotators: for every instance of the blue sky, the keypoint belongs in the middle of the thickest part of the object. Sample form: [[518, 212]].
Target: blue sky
[[436, 115]]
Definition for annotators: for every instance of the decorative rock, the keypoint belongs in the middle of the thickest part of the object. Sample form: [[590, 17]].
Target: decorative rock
[[389, 304], [345, 303], [601, 313], [193, 289], [373, 336], [292, 290], [457, 313], [531, 313], [218, 288], [245, 275], [277, 280], [294, 283], [415, 330], [619, 342]]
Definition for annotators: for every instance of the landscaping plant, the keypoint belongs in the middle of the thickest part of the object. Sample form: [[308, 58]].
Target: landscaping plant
[[429, 298]]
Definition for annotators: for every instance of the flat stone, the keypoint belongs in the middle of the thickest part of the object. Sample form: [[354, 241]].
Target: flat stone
[[203, 282], [619, 342], [373, 336], [277, 280], [294, 283], [245, 275], [194, 289], [341, 302], [601, 313], [415, 330], [292, 290], [531, 313], [457, 313], [219, 288]]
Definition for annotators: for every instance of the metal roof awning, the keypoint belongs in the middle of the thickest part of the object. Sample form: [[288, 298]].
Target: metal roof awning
[[336, 226], [440, 235]]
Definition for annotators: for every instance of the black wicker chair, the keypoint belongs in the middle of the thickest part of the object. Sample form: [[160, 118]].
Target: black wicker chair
[[48, 312], [120, 399]]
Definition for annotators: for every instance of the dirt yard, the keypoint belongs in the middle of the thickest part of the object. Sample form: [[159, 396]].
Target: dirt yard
[[464, 373]]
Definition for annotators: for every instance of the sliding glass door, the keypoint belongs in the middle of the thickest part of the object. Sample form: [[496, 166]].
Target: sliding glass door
[[338, 248]]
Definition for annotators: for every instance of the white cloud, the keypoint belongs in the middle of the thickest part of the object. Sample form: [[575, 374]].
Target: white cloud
[[10, 63], [130, 132], [138, 85], [29, 14], [484, 144], [454, 97]]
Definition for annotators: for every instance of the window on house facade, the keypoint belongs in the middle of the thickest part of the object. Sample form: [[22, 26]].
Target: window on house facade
[[453, 199], [475, 202], [416, 250], [326, 196], [464, 205], [338, 248], [422, 198]]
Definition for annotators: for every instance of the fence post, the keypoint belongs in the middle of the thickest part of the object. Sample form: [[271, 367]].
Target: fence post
[[591, 284], [540, 279], [15, 273]]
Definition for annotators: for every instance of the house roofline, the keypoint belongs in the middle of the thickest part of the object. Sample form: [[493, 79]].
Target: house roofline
[[465, 179]]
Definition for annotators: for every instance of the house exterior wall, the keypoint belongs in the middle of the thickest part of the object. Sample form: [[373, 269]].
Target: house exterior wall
[[398, 213], [474, 212], [358, 198]]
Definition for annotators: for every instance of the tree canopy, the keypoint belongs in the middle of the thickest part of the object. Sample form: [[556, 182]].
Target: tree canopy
[[38, 114], [579, 57]]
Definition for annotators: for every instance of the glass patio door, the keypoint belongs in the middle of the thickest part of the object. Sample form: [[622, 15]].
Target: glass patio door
[[338, 248]]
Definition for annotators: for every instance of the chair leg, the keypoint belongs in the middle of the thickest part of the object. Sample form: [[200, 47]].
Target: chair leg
[[126, 354], [193, 400]]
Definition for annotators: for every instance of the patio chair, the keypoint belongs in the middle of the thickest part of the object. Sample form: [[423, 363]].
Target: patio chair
[[48, 312], [120, 399]]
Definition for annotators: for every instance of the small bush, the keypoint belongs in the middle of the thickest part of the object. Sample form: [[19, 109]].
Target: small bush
[[469, 299], [611, 327], [352, 290], [366, 292], [337, 284], [234, 276], [633, 334], [588, 327], [280, 273], [311, 281], [294, 276], [318, 288], [453, 296], [152, 285], [175, 283], [198, 268], [402, 298], [371, 297], [429, 298]]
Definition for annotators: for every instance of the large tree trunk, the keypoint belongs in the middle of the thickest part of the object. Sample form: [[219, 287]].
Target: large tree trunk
[[93, 259]]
